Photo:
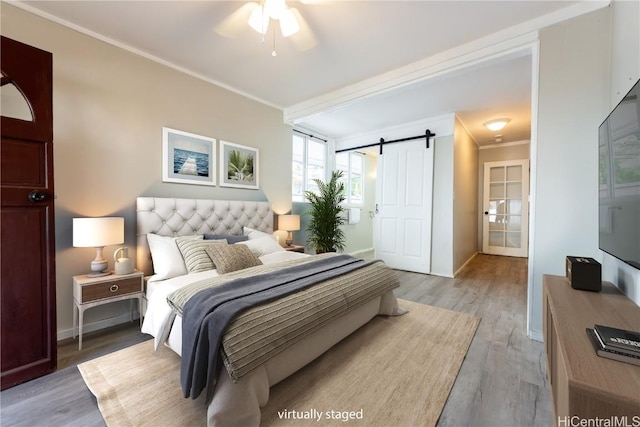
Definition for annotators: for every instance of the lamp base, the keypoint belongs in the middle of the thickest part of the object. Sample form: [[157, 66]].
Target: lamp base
[[103, 273], [98, 266]]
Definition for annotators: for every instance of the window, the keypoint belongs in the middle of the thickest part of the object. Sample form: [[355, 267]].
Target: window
[[309, 163], [352, 166]]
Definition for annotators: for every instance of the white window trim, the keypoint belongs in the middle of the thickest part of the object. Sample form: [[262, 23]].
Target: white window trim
[[328, 159], [347, 177]]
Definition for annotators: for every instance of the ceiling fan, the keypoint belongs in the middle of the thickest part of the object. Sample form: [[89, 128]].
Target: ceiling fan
[[259, 17]]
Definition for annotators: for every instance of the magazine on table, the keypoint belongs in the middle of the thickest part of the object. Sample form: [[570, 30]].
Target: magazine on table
[[611, 354], [618, 339]]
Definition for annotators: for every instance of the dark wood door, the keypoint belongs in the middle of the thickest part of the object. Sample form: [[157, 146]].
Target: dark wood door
[[27, 249]]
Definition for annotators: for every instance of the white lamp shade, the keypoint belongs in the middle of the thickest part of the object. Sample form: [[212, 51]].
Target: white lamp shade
[[289, 222], [97, 232]]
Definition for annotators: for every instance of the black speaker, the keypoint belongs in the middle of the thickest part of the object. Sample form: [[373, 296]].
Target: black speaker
[[584, 273]]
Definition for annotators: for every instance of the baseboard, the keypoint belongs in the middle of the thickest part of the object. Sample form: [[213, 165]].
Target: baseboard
[[465, 264], [363, 252], [536, 335], [96, 326]]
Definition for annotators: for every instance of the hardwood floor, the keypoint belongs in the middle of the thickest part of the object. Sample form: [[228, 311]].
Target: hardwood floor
[[502, 381], [62, 398]]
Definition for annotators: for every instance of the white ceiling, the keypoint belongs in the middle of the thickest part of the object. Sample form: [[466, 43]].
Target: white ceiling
[[343, 43]]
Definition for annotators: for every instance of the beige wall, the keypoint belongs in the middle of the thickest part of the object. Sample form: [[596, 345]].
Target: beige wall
[[109, 109], [496, 154], [442, 216], [465, 201]]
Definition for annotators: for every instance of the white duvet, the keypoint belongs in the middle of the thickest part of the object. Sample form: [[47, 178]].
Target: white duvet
[[159, 312]]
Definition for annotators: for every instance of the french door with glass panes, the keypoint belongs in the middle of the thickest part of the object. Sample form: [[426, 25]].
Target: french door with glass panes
[[506, 208]]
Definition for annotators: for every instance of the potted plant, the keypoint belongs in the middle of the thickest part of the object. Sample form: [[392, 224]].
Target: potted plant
[[325, 234]]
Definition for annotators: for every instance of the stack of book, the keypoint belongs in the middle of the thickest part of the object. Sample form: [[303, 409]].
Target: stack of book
[[616, 344]]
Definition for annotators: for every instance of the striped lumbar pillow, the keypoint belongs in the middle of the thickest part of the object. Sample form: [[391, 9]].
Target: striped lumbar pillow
[[195, 256]]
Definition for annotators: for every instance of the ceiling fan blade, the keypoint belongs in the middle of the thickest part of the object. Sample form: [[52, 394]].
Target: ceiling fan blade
[[303, 39], [236, 23]]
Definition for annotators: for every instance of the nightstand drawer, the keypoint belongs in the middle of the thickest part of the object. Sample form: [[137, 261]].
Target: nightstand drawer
[[110, 289]]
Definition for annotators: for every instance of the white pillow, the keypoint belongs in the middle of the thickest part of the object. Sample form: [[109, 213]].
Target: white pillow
[[262, 245], [167, 258], [256, 234]]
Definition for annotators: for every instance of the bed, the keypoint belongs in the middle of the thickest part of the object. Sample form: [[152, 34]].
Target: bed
[[161, 222]]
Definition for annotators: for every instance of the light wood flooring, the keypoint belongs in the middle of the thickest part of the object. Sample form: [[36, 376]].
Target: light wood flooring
[[502, 381]]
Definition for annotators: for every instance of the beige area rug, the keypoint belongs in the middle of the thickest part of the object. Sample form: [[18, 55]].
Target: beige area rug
[[393, 371]]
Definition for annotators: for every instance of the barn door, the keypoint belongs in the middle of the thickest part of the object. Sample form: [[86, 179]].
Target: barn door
[[27, 249], [404, 196]]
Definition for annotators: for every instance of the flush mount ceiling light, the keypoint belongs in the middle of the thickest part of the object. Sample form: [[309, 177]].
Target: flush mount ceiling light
[[497, 124]]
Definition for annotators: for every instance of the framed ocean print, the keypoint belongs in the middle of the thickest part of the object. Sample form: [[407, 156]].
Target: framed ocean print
[[188, 158], [239, 166]]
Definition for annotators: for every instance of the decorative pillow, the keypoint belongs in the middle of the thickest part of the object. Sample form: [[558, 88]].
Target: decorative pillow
[[195, 257], [228, 237], [262, 245], [228, 258], [166, 257], [256, 234]]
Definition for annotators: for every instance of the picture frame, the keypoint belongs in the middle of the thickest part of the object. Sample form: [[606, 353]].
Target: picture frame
[[188, 158], [239, 166]]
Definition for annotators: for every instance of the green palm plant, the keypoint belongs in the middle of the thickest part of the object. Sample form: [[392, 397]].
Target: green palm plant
[[325, 234], [240, 166]]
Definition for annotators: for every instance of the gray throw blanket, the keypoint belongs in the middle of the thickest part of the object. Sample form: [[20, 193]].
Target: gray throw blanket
[[206, 315]]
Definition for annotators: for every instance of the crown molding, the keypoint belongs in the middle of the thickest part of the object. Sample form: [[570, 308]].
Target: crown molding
[[510, 41], [136, 51]]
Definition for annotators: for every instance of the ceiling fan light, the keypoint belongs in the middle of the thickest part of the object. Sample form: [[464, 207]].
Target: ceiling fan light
[[497, 124], [274, 8], [288, 23], [259, 21]]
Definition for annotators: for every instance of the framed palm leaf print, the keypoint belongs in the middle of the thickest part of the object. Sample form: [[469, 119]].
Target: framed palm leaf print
[[239, 166]]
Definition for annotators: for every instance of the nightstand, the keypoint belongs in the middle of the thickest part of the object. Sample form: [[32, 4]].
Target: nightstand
[[90, 292], [294, 248]]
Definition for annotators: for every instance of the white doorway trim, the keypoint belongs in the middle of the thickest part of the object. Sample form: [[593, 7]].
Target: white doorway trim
[[533, 174]]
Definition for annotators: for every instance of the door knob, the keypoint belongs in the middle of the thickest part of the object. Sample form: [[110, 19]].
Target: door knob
[[37, 196], [486, 212]]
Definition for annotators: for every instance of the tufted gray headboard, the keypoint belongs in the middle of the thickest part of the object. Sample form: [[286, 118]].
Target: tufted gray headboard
[[182, 217]]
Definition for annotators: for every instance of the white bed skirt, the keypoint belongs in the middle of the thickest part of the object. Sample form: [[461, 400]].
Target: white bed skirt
[[238, 404]]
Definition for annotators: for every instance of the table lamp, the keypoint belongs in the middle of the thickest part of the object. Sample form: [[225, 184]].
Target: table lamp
[[289, 223], [98, 233]]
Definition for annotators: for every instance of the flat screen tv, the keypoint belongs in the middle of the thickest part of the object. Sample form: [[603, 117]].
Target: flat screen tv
[[619, 178]]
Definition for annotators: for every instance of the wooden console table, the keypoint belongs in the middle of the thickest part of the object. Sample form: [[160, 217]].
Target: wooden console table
[[582, 383]]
